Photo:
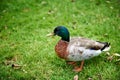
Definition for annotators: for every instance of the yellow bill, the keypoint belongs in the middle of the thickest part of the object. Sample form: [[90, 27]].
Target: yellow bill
[[50, 34]]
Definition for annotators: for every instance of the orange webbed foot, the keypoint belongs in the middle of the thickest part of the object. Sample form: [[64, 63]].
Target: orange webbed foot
[[78, 69]]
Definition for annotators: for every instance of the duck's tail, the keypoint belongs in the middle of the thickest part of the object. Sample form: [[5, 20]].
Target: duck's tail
[[106, 47]]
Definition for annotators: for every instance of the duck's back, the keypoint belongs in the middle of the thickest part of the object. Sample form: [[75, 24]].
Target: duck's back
[[82, 48], [85, 42]]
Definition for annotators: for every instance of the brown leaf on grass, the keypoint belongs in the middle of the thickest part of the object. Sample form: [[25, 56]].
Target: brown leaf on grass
[[11, 60], [43, 2], [8, 62], [16, 66], [110, 58], [89, 78], [76, 77], [107, 53], [118, 60], [117, 57], [116, 54], [14, 58]]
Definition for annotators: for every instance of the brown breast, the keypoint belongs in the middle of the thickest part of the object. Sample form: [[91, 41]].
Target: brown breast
[[61, 49]]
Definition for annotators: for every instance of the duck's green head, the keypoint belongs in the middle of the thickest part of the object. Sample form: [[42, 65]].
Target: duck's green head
[[62, 32]]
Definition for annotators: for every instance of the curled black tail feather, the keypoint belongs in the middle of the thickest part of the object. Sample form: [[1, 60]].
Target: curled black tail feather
[[105, 46]]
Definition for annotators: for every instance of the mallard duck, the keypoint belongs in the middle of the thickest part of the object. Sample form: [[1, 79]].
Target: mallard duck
[[77, 48]]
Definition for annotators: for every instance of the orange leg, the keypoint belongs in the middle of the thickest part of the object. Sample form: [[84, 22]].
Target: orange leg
[[71, 63], [78, 69]]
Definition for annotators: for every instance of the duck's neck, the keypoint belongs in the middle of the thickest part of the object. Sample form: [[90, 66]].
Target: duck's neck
[[66, 38]]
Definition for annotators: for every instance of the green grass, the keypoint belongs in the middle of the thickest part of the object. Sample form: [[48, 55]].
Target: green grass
[[24, 25]]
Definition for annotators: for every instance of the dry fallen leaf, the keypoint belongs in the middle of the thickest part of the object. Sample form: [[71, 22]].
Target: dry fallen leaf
[[8, 62], [11, 60], [14, 58], [107, 53], [43, 2], [110, 58], [89, 78], [118, 60], [116, 54], [16, 66], [76, 77]]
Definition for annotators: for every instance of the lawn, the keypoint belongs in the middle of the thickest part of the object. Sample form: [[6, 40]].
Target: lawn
[[26, 53]]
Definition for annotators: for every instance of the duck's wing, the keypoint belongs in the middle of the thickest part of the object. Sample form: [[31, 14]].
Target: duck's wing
[[82, 48], [88, 43]]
